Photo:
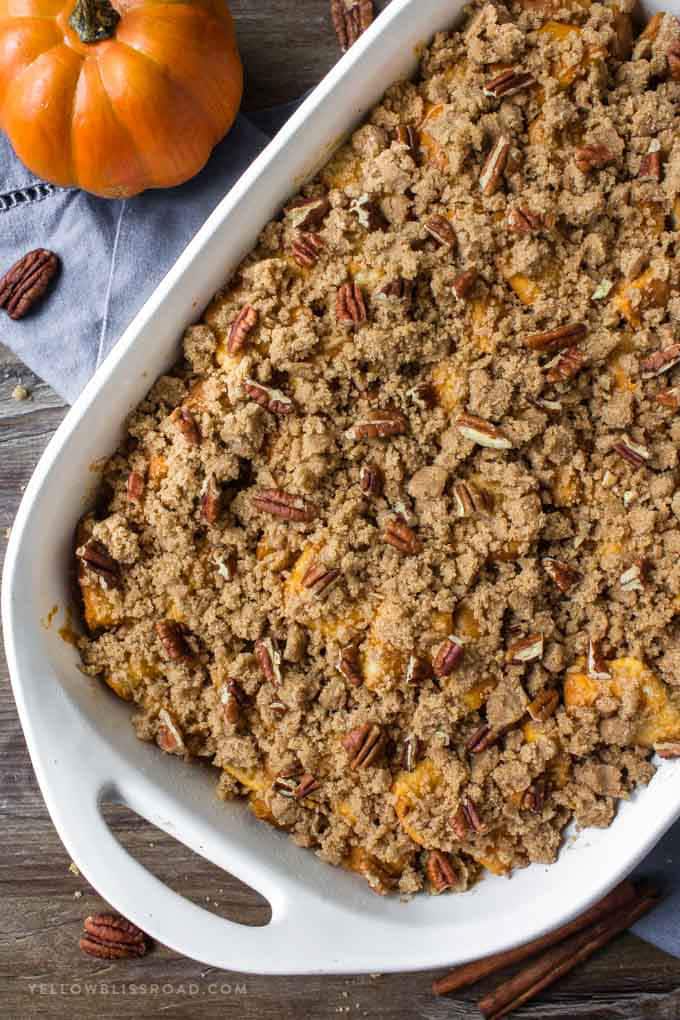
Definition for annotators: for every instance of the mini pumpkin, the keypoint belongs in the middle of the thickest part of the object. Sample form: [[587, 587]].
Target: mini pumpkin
[[117, 99]]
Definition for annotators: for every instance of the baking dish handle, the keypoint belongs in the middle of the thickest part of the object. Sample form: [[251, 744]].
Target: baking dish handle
[[178, 923]]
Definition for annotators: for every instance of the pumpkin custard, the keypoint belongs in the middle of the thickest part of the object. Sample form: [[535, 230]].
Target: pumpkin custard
[[396, 545]]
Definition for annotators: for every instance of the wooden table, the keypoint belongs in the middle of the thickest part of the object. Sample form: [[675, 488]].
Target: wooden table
[[287, 46]]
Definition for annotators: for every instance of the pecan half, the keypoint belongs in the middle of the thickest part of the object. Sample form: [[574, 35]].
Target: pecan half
[[494, 166], [469, 499], [534, 796], [269, 658], [523, 221], [112, 937], [241, 328], [365, 745], [379, 424], [526, 649], [650, 164], [668, 748], [402, 538], [211, 500], [408, 136], [441, 230], [320, 580], [349, 666], [350, 22], [563, 574], [274, 401], [186, 425], [634, 453], [368, 213], [544, 704], [440, 872], [232, 698], [371, 479], [555, 339], [508, 83], [465, 819], [447, 657], [566, 365], [482, 738], [174, 642], [308, 213], [670, 398], [660, 361], [482, 432], [97, 557], [284, 505], [349, 304], [168, 735], [135, 486], [593, 157], [464, 283], [25, 284], [306, 249]]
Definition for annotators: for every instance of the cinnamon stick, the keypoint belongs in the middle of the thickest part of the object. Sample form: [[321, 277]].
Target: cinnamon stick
[[469, 973], [557, 962]]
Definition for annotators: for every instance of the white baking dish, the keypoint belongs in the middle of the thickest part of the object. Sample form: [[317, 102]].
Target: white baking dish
[[82, 746]]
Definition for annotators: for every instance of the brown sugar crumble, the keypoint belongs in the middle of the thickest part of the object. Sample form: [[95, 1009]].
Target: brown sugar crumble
[[396, 545]]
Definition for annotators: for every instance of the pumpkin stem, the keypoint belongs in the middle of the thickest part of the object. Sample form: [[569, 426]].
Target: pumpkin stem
[[94, 20]]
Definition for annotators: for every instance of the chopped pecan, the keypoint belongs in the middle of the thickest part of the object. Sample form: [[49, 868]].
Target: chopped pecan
[[25, 284], [365, 745], [555, 339], [173, 639], [232, 698], [602, 290], [402, 538], [534, 796], [563, 574], [226, 565], [269, 658], [168, 735], [399, 289], [482, 432], [284, 505], [673, 58], [408, 136], [566, 365], [596, 666], [650, 164], [308, 213], [306, 248], [112, 937], [211, 500], [320, 580], [371, 479], [670, 398], [464, 283], [523, 221], [287, 781], [544, 704], [526, 649], [593, 157], [465, 819], [308, 784], [507, 83], [186, 425], [441, 230], [482, 738], [667, 748], [660, 361], [440, 872], [634, 453], [135, 486], [97, 557], [274, 401], [635, 576], [241, 328], [409, 753], [349, 666], [469, 499], [494, 166], [379, 424], [448, 655], [350, 22], [349, 304], [424, 395], [368, 213]]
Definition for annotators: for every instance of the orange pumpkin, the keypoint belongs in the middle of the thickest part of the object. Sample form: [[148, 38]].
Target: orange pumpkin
[[117, 99]]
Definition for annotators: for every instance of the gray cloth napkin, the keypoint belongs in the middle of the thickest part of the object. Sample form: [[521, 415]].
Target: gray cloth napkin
[[114, 254]]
